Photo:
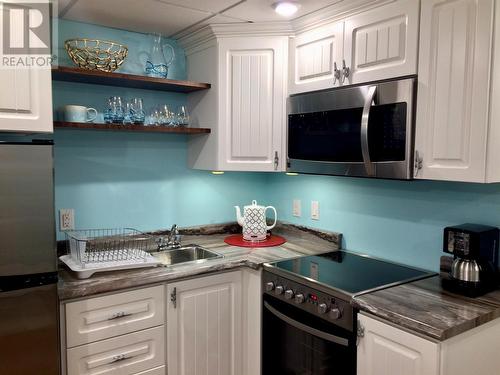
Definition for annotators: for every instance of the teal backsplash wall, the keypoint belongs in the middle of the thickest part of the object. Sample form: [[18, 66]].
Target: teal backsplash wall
[[141, 181], [115, 179], [401, 221]]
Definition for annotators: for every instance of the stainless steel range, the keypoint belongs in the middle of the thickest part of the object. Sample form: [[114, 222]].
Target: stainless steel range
[[309, 325]]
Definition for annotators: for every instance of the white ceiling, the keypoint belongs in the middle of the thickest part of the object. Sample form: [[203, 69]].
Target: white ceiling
[[172, 17]]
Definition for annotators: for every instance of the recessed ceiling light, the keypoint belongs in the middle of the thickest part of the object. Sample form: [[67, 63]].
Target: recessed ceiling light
[[286, 8]]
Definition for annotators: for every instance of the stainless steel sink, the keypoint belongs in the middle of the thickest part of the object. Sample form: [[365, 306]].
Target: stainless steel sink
[[185, 254]]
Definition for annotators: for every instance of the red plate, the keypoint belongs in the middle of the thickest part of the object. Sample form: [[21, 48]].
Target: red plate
[[237, 240]]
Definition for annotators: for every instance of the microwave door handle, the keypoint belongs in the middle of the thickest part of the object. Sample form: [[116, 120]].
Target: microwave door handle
[[313, 331], [365, 118]]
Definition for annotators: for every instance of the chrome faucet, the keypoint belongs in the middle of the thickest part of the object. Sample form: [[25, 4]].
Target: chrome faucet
[[173, 240]]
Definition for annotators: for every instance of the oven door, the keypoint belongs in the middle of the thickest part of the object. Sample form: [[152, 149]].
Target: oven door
[[295, 342], [363, 131]]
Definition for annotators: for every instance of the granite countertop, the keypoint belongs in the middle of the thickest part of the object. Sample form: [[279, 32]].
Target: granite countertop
[[300, 241], [424, 307]]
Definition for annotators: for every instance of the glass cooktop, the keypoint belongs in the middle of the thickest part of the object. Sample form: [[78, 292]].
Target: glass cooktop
[[350, 272]]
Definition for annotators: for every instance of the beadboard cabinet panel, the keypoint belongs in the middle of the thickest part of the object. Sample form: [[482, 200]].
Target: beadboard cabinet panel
[[385, 350], [453, 89], [253, 103], [382, 43], [205, 326], [316, 53], [25, 96]]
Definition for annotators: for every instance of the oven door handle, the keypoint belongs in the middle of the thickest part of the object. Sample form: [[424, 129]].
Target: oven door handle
[[370, 171], [313, 331]]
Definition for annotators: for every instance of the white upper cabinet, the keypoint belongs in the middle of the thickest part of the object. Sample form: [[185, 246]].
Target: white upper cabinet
[[316, 55], [454, 91], [25, 98], [252, 103], [382, 43], [375, 44], [246, 106]]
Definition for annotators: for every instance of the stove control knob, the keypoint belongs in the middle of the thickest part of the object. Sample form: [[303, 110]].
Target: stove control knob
[[322, 308], [278, 290], [288, 294], [335, 313], [269, 286], [299, 298]]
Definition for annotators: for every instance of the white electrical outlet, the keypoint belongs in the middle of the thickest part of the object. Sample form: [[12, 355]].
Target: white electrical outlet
[[66, 219], [315, 210], [297, 211]]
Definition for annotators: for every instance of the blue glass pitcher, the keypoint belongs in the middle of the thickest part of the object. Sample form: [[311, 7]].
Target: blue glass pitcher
[[157, 64]]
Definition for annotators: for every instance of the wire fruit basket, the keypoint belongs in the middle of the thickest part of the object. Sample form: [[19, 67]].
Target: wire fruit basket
[[98, 250], [95, 54]]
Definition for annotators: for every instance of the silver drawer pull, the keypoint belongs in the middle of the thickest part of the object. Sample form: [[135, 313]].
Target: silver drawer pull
[[118, 315], [119, 358]]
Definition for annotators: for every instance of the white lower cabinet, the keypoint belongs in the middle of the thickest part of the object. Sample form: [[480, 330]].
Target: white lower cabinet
[[387, 350], [123, 355], [204, 325]]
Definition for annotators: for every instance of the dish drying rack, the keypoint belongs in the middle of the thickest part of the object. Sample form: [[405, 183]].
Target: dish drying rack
[[99, 250]]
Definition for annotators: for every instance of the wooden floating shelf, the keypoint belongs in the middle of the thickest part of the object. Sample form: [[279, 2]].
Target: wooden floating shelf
[[129, 128], [69, 74]]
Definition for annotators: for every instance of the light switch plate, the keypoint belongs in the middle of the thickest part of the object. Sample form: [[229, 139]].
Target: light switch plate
[[315, 210], [297, 209]]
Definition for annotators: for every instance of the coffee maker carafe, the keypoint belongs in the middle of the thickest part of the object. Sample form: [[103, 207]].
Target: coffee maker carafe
[[474, 270]]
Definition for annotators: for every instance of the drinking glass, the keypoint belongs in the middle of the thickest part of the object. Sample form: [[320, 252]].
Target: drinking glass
[[114, 112], [182, 116], [154, 117], [137, 114], [127, 118], [167, 116]]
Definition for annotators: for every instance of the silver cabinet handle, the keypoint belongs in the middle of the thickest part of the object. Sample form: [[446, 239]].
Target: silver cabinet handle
[[173, 297], [336, 73], [370, 170], [276, 160], [119, 358], [360, 332], [419, 162], [118, 315], [346, 72], [313, 331]]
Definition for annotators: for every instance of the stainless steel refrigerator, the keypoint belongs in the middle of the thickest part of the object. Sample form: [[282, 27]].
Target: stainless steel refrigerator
[[29, 328]]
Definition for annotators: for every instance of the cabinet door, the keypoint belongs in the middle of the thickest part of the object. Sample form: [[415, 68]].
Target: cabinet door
[[382, 43], [252, 104], [385, 350], [313, 56], [25, 98], [204, 326], [453, 89]]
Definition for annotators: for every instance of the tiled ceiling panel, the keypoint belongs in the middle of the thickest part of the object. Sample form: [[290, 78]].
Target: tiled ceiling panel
[[218, 18], [141, 16], [262, 11], [213, 6], [176, 17]]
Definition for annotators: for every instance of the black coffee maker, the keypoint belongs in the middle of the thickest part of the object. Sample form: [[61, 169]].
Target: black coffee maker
[[474, 269]]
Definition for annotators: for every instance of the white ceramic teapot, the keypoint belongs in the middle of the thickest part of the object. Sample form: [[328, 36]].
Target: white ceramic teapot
[[253, 221]]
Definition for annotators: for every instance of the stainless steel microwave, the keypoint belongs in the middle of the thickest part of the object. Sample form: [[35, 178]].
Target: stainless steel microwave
[[361, 131]]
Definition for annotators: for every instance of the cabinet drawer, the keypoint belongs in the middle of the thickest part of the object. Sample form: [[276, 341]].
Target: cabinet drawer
[[162, 370], [127, 354], [108, 316]]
